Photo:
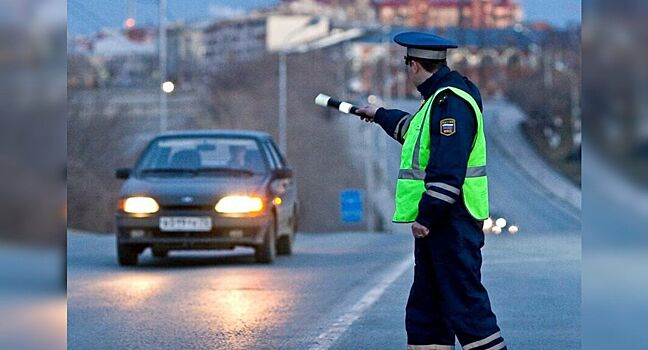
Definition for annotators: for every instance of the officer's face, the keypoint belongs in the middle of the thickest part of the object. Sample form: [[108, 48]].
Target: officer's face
[[408, 64], [413, 72]]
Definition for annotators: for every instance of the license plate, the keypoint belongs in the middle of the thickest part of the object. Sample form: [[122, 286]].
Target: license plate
[[185, 223]]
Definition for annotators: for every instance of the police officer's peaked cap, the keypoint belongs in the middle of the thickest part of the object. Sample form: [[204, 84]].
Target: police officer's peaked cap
[[424, 45]]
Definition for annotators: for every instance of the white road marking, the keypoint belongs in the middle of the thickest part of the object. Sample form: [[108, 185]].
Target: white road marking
[[325, 340]]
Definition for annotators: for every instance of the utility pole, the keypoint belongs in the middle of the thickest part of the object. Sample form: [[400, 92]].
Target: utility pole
[[462, 21], [282, 102], [388, 83], [162, 51], [369, 176], [130, 12]]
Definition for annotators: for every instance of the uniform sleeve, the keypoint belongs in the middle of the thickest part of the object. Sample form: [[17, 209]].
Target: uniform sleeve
[[452, 131], [394, 122]]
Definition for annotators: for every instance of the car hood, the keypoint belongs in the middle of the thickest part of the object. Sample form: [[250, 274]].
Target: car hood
[[192, 190]]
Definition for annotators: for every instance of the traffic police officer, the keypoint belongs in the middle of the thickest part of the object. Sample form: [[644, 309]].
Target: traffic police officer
[[443, 190]]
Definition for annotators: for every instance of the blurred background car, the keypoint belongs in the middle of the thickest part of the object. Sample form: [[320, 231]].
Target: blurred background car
[[207, 190]]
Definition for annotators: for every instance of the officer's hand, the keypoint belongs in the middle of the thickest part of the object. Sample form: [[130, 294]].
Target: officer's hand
[[367, 113], [419, 231]]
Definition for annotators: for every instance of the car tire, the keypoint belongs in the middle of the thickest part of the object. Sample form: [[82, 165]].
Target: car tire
[[160, 253], [127, 255], [285, 242], [266, 252]]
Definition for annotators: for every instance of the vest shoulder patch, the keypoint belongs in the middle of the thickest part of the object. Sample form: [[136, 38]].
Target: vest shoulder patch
[[448, 126]]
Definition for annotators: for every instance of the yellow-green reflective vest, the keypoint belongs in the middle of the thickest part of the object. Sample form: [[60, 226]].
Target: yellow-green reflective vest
[[415, 155]]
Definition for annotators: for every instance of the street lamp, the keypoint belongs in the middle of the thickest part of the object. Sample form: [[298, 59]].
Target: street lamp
[[130, 22], [168, 87]]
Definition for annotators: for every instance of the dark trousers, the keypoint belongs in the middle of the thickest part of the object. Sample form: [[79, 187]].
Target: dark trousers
[[447, 298]]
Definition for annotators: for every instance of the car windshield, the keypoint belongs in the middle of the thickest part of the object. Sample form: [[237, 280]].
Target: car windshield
[[208, 156]]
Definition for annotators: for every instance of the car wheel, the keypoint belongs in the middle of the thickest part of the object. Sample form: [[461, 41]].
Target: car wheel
[[127, 255], [266, 252], [284, 244], [160, 253]]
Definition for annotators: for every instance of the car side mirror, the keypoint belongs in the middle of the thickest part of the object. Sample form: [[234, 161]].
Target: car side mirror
[[283, 173], [123, 173], [278, 187]]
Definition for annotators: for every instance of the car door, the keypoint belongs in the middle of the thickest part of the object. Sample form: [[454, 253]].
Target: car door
[[286, 209]]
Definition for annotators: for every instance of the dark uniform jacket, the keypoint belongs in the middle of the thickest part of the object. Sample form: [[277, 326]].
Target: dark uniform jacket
[[446, 169]]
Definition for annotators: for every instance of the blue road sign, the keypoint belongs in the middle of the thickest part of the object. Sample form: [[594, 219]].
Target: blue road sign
[[351, 208]]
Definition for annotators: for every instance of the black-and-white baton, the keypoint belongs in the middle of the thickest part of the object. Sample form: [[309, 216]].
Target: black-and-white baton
[[328, 101]]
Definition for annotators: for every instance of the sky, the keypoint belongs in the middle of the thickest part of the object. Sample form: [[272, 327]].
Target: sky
[[88, 16]]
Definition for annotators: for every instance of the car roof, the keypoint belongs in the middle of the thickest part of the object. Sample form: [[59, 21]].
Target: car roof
[[216, 132]]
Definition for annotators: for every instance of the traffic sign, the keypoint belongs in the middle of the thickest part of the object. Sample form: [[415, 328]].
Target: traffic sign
[[351, 207]]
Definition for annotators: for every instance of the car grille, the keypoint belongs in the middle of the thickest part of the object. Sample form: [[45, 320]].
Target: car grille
[[203, 207]]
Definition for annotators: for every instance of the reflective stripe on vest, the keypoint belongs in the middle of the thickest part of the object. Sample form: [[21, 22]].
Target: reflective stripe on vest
[[415, 156]]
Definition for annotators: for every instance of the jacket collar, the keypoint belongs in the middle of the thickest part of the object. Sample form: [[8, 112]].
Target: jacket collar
[[433, 83]]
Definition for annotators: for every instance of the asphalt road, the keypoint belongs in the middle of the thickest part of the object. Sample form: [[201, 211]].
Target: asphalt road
[[338, 291], [32, 298]]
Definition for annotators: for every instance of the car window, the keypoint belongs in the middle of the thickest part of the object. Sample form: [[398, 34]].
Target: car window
[[270, 156], [203, 154], [276, 155]]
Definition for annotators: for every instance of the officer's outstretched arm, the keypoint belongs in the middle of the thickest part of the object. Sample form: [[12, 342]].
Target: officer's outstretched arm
[[394, 121], [452, 130]]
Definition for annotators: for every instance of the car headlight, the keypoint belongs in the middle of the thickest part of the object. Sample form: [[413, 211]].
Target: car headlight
[[488, 224], [140, 205], [239, 205]]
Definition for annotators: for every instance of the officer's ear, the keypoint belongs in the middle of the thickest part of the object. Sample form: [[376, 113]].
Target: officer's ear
[[416, 67]]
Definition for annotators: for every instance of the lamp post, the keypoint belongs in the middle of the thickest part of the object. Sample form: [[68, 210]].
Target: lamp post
[[283, 76], [162, 51], [282, 102]]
